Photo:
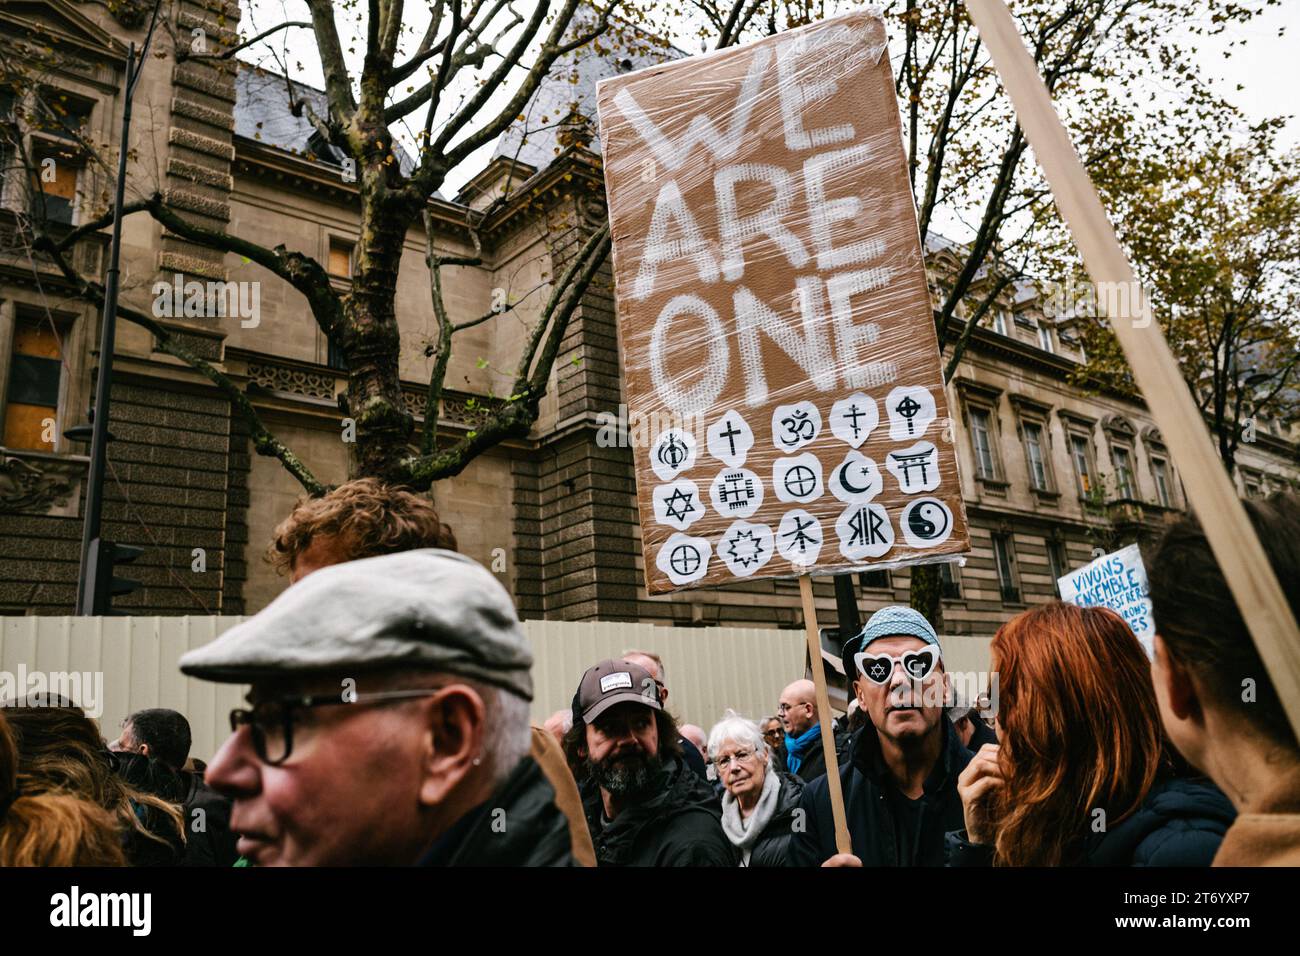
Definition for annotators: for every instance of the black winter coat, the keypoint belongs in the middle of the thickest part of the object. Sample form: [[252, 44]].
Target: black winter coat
[[530, 831], [1180, 823], [210, 842], [814, 758], [870, 799], [773, 846], [678, 824]]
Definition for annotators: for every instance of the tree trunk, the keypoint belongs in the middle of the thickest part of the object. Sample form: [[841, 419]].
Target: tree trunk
[[371, 343], [927, 595]]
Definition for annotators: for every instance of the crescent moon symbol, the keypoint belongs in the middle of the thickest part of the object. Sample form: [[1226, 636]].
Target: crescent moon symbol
[[844, 480]]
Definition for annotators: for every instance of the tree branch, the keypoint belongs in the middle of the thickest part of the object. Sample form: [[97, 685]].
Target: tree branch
[[265, 442], [183, 54]]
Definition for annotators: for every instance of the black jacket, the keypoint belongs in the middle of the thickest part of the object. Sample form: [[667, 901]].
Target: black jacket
[[209, 840], [773, 846], [678, 824], [813, 764], [872, 804], [694, 759], [519, 825], [1180, 823], [984, 734]]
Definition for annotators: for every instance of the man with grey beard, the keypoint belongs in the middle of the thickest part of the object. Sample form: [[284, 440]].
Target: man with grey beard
[[643, 805]]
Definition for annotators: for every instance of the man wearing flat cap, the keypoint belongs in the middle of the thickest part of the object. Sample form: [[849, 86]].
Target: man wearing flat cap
[[900, 781], [644, 805], [388, 722]]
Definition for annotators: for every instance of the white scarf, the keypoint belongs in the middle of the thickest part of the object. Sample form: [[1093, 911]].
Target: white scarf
[[744, 833]]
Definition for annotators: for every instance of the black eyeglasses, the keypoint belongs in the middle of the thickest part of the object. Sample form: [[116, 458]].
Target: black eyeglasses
[[271, 722]]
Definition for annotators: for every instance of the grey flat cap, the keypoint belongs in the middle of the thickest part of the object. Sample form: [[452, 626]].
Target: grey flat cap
[[427, 609]]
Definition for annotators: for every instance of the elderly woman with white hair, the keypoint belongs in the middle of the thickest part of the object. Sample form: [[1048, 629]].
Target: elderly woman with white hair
[[759, 801]]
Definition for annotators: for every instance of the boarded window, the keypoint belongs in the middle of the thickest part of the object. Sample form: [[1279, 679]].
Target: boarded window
[[34, 375], [56, 177], [340, 261]]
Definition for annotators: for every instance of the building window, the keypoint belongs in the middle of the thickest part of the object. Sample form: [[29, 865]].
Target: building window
[[949, 582], [1037, 456], [1160, 472], [340, 259], [57, 172], [1045, 339], [1056, 563], [1081, 452], [1253, 489], [1005, 560], [334, 356], [35, 374], [56, 125], [874, 580], [982, 440], [1000, 321], [1122, 458]]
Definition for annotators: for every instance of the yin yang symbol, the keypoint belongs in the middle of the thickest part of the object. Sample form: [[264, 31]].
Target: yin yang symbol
[[926, 522]]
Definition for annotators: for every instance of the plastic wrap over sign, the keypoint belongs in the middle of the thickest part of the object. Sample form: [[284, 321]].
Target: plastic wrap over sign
[[774, 313]]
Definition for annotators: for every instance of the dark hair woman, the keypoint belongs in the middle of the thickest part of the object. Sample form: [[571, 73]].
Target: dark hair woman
[[1219, 706], [1081, 773]]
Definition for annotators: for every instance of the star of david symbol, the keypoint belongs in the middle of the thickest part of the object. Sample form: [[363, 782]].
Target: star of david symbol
[[878, 670], [745, 548], [678, 505]]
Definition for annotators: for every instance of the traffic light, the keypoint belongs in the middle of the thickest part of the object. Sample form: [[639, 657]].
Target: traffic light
[[105, 556]]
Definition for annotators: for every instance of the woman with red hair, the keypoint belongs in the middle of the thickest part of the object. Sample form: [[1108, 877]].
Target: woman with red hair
[[1081, 773]]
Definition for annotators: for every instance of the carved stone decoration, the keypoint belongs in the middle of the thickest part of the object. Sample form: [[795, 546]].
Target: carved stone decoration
[[1117, 424], [296, 381], [130, 13], [26, 487]]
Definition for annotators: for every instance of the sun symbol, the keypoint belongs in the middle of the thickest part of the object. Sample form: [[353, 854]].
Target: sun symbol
[[745, 548]]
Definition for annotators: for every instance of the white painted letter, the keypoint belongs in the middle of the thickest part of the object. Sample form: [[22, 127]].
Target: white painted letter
[[659, 248], [823, 212], [697, 398], [809, 350], [734, 229]]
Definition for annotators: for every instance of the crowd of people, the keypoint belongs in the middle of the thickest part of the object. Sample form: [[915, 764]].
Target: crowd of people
[[388, 724]]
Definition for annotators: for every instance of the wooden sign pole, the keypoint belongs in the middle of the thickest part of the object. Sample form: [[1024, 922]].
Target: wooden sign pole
[[842, 841], [1260, 599]]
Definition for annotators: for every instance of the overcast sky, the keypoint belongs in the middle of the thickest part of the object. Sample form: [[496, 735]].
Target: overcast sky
[[1267, 67]]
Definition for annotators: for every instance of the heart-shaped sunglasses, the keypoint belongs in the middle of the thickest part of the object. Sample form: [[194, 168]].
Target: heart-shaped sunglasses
[[879, 668]]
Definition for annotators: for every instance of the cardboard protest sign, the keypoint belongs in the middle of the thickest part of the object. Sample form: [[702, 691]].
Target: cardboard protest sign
[[1117, 581], [775, 318]]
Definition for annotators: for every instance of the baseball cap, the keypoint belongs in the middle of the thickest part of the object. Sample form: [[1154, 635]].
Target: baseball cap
[[612, 682], [427, 609], [891, 621]]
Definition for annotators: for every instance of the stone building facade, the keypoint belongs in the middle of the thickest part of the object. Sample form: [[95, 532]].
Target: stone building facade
[[1050, 471]]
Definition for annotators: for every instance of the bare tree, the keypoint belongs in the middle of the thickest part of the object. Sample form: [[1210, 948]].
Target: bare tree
[[476, 47]]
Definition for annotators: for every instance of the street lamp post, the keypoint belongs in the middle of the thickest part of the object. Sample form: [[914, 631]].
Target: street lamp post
[[94, 582]]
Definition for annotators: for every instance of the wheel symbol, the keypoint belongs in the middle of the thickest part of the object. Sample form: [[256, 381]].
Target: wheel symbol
[[684, 559], [800, 480]]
